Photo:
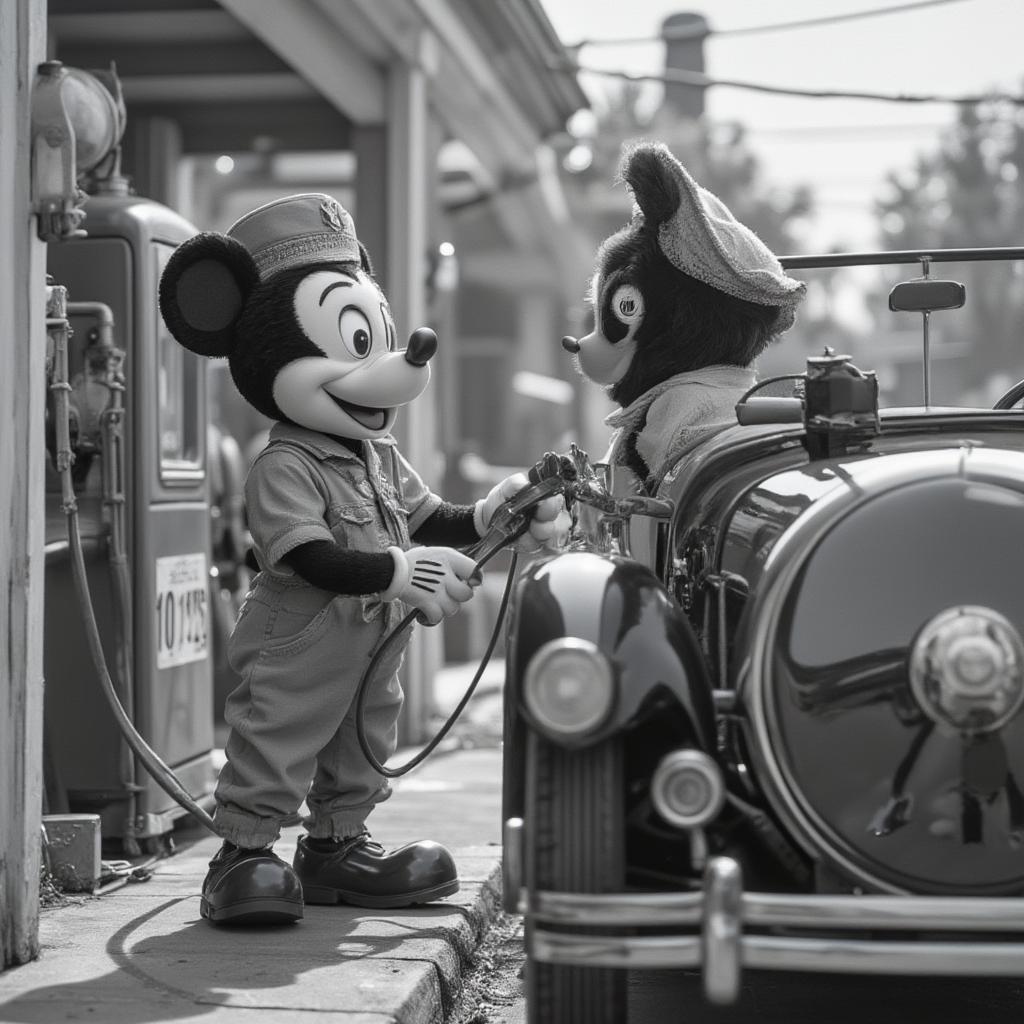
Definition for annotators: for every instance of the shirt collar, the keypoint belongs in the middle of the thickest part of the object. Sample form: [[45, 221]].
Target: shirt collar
[[322, 446], [710, 376]]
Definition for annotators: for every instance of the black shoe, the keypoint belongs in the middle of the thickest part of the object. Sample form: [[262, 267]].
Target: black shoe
[[358, 871], [250, 887]]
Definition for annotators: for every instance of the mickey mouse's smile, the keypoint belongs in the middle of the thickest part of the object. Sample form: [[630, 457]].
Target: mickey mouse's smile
[[372, 419]]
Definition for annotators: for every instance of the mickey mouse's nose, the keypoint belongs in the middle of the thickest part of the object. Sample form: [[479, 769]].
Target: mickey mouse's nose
[[422, 346], [570, 344]]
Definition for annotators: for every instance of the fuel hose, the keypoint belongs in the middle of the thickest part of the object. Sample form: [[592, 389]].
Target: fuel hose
[[161, 772], [509, 522], [383, 648]]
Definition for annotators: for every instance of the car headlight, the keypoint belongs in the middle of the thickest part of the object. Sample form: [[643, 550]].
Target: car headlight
[[569, 687], [687, 788]]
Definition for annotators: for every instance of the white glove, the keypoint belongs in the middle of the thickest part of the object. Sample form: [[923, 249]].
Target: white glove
[[549, 522], [432, 580], [547, 531]]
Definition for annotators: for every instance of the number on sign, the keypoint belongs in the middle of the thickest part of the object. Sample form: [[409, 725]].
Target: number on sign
[[181, 610]]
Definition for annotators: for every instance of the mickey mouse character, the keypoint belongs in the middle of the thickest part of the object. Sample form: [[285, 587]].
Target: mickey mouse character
[[288, 296], [685, 298]]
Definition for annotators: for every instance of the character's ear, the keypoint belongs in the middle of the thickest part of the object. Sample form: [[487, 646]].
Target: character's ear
[[651, 181], [364, 259], [203, 290]]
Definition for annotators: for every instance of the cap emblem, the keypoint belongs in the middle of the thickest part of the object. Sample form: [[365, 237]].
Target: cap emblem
[[331, 214]]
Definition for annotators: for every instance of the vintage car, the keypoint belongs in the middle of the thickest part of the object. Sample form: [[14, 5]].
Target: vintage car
[[768, 714]]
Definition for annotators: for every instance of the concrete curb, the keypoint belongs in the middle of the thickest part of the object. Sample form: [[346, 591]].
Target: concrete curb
[[448, 955], [143, 954]]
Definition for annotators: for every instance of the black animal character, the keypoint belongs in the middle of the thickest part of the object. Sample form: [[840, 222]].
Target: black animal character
[[685, 298]]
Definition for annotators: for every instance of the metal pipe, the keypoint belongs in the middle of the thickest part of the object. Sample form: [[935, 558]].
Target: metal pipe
[[926, 341], [101, 313], [112, 469], [866, 259], [160, 771]]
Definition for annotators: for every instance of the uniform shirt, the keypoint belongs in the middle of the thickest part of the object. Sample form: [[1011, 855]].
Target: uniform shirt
[[306, 486]]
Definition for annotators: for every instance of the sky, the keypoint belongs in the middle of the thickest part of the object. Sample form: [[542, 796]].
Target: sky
[[842, 148]]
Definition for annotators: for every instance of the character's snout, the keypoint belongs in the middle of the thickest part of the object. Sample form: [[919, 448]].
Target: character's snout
[[422, 346], [570, 344], [389, 380]]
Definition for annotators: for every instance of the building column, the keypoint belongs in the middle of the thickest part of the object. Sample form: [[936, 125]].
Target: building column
[[404, 271], [22, 461], [151, 157], [370, 145]]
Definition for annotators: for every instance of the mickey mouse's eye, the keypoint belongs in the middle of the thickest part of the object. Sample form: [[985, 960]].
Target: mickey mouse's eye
[[355, 331], [627, 304]]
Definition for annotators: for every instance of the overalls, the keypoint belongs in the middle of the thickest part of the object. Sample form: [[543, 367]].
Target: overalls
[[300, 651]]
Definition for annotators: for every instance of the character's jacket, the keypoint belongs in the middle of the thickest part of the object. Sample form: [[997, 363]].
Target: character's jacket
[[677, 413]]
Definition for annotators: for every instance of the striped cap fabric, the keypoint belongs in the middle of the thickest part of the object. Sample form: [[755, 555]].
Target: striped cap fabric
[[295, 230], [703, 239]]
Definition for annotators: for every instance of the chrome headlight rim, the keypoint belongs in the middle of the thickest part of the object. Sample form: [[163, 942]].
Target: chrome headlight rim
[[603, 684], [771, 765], [814, 835], [700, 768]]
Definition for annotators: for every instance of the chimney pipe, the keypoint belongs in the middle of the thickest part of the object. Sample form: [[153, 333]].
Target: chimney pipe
[[684, 34]]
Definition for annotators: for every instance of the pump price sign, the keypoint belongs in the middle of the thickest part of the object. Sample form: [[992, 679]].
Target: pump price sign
[[181, 609]]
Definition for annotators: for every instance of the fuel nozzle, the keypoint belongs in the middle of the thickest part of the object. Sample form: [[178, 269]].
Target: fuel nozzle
[[551, 464]]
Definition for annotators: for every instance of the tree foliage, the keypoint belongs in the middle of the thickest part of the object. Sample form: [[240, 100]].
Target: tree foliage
[[970, 193], [718, 157]]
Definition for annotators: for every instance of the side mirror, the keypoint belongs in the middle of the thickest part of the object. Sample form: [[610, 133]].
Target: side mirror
[[927, 295]]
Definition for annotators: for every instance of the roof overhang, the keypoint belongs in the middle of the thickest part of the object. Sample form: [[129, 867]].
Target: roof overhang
[[301, 75]]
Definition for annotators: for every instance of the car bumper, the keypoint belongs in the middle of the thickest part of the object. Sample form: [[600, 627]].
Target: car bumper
[[723, 929]]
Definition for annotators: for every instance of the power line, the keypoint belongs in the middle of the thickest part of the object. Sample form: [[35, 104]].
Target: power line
[[829, 133], [704, 32], [701, 81], [832, 19]]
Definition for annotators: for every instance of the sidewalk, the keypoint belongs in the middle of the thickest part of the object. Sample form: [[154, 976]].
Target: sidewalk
[[142, 953]]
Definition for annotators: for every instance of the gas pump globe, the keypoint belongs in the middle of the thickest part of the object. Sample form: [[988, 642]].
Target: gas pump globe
[[78, 118]]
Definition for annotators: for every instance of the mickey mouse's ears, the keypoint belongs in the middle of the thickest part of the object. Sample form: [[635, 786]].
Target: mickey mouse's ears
[[203, 289]]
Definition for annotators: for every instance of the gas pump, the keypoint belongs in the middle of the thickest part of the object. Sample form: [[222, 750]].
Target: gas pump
[[138, 423]]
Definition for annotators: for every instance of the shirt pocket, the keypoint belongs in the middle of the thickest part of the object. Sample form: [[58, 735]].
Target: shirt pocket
[[354, 525]]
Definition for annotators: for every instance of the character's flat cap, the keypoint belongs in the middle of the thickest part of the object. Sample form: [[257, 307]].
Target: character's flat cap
[[289, 232], [703, 239]]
